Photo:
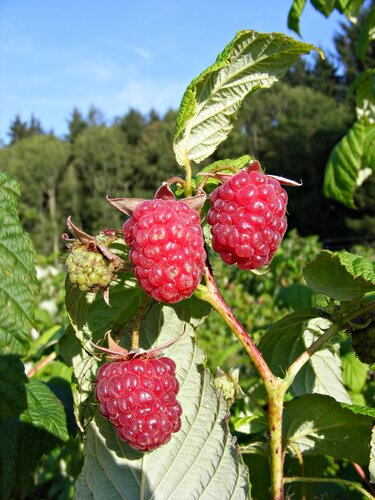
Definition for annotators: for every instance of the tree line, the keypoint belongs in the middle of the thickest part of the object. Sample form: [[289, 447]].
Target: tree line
[[290, 128]]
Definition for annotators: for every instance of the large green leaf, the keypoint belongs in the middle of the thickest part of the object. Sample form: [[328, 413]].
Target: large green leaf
[[200, 461], [318, 425], [290, 337], [18, 284], [294, 15], [250, 62], [91, 317], [342, 276], [351, 161]]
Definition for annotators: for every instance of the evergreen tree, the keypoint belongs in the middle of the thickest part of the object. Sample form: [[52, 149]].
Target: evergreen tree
[[76, 125], [19, 129]]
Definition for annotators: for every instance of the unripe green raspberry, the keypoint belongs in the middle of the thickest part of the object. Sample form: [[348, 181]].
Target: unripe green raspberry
[[88, 270], [363, 341]]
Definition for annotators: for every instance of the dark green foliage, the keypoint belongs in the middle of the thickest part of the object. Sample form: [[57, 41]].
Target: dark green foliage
[[292, 131], [20, 130]]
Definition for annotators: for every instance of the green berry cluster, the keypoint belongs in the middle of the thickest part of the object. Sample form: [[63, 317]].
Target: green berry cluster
[[363, 341], [88, 270]]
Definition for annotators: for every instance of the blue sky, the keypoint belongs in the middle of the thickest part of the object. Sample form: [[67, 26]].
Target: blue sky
[[117, 54]]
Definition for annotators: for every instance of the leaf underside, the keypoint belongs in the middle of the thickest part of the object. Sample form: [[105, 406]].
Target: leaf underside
[[200, 461]]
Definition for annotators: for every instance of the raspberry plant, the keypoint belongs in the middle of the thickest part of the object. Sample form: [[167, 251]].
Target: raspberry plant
[[140, 441]]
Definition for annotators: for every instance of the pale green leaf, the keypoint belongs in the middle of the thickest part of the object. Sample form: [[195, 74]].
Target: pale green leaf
[[290, 337], [200, 461], [318, 425], [44, 410], [18, 284], [250, 62], [294, 15], [354, 372], [342, 276], [353, 154]]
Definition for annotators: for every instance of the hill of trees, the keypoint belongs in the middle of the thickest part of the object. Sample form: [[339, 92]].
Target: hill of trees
[[291, 129]]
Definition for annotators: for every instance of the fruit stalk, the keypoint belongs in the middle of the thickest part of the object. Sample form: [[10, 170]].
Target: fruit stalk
[[211, 294], [275, 386]]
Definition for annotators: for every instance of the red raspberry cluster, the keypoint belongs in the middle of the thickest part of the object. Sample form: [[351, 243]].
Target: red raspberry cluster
[[138, 396], [247, 219], [167, 248]]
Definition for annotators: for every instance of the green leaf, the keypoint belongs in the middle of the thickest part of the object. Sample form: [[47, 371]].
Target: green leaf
[[44, 410], [200, 459], [294, 15], [351, 161], [12, 387], [363, 89], [342, 276], [366, 35], [318, 425], [91, 317], [324, 6], [18, 283], [354, 372], [290, 337], [360, 410], [250, 62]]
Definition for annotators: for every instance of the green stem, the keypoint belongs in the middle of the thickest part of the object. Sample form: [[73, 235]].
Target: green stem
[[349, 484], [296, 366], [211, 294], [275, 416], [41, 364], [275, 386], [187, 190], [367, 307]]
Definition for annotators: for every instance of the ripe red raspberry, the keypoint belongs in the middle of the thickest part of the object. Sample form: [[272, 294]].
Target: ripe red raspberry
[[167, 248], [138, 396], [247, 218]]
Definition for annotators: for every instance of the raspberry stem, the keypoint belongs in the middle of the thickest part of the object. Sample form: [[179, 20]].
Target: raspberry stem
[[275, 386], [211, 294]]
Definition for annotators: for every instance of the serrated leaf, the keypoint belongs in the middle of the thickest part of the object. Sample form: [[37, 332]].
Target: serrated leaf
[[354, 372], [12, 387], [294, 15], [44, 410], [318, 425], [290, 337], [251, 61], [352, 155], [360, 410], [18, 283], [201, 460], [343, 276], [91, 317]]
